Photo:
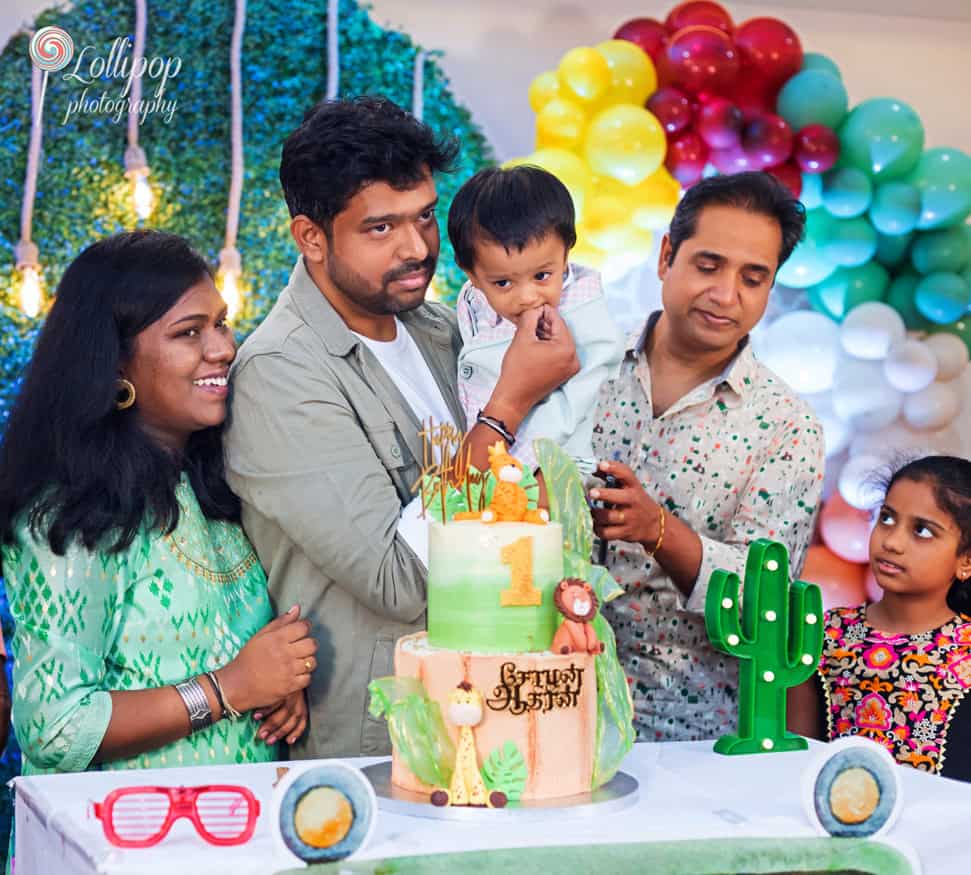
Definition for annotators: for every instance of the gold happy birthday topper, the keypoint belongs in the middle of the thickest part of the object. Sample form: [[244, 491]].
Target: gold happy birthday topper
[[446, 463]]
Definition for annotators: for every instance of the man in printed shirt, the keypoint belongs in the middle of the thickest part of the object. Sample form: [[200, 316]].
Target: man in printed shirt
[[711, 451]]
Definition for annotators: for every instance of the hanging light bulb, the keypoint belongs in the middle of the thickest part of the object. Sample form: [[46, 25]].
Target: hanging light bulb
[[31, 296], [31, 293], [230, 267], [142, 196], [136, 169]]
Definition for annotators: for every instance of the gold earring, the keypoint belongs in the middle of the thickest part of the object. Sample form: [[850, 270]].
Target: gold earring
[[126, 394]]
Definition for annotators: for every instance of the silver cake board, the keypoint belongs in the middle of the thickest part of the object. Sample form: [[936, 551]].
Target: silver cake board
[[618, 793]]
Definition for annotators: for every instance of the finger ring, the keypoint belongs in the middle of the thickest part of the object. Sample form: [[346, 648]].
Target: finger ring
[[620, 515], [308, 665]]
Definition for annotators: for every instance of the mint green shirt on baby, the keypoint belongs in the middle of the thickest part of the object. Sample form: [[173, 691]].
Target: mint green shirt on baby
[[167, 608]]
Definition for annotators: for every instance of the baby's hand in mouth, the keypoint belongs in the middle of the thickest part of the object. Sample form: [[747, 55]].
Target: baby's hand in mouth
[[544, 328]]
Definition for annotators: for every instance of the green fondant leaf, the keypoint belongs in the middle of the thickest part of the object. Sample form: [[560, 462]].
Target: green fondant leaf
[[505, 770], [567, 497], [416, 727]]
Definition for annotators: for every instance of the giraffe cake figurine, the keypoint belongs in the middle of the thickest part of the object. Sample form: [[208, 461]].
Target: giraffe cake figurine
[[514, 694]]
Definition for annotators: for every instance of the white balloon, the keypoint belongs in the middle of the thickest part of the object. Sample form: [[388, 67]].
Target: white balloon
[[910, 365], [932, 408], [856, 481], [802, 347], [836, 433], [887, 443], [862, 397], [950, 352], [869, 330]]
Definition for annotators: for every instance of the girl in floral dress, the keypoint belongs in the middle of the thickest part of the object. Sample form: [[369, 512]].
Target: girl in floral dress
[[898, 671]]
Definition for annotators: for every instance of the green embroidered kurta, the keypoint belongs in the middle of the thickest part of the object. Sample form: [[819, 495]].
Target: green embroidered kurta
[[168, 608]]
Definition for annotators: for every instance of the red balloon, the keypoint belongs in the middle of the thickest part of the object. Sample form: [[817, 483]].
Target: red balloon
[[873, 590], [734, 159], [771, 48], [840, 581], [767, 140], [702, 60], [788, 174], [720, 123], [816, 148], [844, 528], [698, 12], [648, 33], [672, 108], [753, 95], [686, 158]]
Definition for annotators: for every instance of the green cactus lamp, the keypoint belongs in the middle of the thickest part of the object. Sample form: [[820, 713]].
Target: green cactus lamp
[[778, 643]]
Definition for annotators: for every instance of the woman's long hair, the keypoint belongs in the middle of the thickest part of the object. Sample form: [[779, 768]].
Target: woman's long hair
[[79, 467]]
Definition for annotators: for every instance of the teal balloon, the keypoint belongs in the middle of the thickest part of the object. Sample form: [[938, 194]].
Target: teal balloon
[[812, 190], [942, 297], [849, 287], [893, 249], [900, 296], [813, 97], [851, 242], [808, 263], [940, 251], [818, 304], [883, 137], [895, 208], [817, 61], [943, 178], [846, 192]]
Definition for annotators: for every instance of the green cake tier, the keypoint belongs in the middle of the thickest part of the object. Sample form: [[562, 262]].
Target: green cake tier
[[469, 578]]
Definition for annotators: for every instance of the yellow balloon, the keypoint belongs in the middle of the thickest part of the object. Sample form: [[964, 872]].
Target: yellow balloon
[[586, 253], [629, 248], [585, 72], [543, 89], [607, 214], [624, 142], [632, 75], [560, 123], [570, 170], [653, 201]]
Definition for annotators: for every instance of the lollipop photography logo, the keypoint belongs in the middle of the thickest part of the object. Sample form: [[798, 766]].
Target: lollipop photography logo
[[107, 79]]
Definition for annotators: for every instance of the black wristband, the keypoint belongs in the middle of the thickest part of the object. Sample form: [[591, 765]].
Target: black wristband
[[498, 426]]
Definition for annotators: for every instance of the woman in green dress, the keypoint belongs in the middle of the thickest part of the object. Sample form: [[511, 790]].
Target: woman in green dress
[[144, 633]]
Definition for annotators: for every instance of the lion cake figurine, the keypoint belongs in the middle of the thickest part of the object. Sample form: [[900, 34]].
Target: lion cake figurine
[[577, 602]]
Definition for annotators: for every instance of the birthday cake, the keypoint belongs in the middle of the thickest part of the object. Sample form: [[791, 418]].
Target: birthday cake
[[514, 693]]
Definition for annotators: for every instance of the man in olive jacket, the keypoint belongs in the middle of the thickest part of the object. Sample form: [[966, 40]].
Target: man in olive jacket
[[329, 393]]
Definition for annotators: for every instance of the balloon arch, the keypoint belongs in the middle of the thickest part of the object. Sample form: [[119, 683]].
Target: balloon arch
[[880, 346]]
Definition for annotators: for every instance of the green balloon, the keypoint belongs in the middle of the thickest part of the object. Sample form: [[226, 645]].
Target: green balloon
[[900, 296], [809, 263], [818, 61], [883, 137], [936, 251], [849, 287], [943, 178], [895, 208], [893, 249], [851, 242], [942, 297], [846, 192], [818, 304], [813, 97]]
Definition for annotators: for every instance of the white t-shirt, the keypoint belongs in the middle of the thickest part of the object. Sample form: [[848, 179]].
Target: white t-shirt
[[404, 363]]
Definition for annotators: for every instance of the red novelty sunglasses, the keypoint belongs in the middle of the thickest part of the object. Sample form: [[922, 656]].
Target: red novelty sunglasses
[[139, 817]]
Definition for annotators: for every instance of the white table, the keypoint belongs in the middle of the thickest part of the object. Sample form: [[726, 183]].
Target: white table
[[686, 792]]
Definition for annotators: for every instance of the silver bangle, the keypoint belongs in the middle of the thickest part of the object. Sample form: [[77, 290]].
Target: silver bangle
[[196, 703]]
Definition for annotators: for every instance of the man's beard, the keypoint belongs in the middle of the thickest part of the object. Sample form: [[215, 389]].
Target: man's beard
[[377, 300]]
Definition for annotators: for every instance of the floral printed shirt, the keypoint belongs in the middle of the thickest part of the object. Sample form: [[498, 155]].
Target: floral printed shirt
[[738, 458], [903, 691]]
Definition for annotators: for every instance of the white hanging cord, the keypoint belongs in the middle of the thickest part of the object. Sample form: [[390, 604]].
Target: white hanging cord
[[418, 86], [333, 50], [136, 164], [230, 262], [26, 253]]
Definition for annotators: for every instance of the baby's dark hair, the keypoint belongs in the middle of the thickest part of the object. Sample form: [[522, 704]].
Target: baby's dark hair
[[950, 478], [511, 206]]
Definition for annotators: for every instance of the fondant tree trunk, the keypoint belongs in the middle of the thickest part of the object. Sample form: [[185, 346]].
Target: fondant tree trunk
[[778, 641]]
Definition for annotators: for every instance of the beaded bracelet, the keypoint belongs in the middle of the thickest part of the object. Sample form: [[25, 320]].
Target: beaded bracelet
[[228, 710]]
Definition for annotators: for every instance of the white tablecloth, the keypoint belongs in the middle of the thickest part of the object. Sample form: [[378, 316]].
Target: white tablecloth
[[686, 792]]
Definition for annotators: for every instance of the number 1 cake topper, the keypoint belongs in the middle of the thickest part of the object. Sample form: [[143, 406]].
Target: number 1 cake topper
[[778, 643]]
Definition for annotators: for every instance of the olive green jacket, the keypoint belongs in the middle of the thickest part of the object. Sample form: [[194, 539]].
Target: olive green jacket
[[323, 450]]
